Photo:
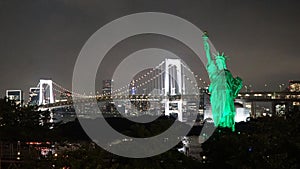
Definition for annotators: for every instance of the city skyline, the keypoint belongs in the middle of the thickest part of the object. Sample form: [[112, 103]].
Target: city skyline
[[42, 39]]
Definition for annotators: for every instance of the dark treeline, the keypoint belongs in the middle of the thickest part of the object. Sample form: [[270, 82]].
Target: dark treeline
[[267, 142]]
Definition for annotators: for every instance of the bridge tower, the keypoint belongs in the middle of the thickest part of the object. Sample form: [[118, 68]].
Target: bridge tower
[[46, 92], [174, 88]]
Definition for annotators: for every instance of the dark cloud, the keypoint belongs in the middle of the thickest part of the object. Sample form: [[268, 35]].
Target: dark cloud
[[42, 38]]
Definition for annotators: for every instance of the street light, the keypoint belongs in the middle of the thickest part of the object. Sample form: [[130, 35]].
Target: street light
[[246, 87], [280, 87], [266, 87]]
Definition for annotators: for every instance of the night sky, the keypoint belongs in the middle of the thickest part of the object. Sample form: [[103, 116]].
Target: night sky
[[42, 38]]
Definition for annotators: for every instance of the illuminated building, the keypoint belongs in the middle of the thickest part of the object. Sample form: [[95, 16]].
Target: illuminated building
[[15, 95], [107, 86], [65, 96], [294, 86], [132, 88], [33, 96]]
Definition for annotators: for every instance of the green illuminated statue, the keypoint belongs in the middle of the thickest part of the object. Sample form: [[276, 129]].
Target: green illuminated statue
[[223, 88]]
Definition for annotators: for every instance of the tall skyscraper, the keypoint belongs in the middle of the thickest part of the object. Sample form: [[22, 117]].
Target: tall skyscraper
[[132, 88], [34, 93], [107, 87]]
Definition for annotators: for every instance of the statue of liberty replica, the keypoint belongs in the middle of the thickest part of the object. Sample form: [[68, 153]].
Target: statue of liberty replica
[[223, 88]]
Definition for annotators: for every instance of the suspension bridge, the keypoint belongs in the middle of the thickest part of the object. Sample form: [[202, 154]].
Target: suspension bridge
[[171, 86]]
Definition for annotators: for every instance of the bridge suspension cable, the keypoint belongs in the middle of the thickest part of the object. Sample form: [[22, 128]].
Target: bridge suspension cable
[[152, 76]]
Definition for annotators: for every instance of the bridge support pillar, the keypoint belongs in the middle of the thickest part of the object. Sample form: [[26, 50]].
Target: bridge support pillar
[[45, 85], [174, 86]]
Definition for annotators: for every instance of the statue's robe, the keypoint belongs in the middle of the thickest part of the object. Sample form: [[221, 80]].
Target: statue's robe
[[223, 88]]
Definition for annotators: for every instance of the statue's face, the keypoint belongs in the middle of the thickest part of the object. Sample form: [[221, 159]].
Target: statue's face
[[221, 64]]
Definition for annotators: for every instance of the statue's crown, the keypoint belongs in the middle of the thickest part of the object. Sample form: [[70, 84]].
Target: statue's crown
[[220, 56]]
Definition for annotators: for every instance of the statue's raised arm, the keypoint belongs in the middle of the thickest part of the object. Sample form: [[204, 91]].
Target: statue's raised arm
[[207, 48], [210, 66]]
